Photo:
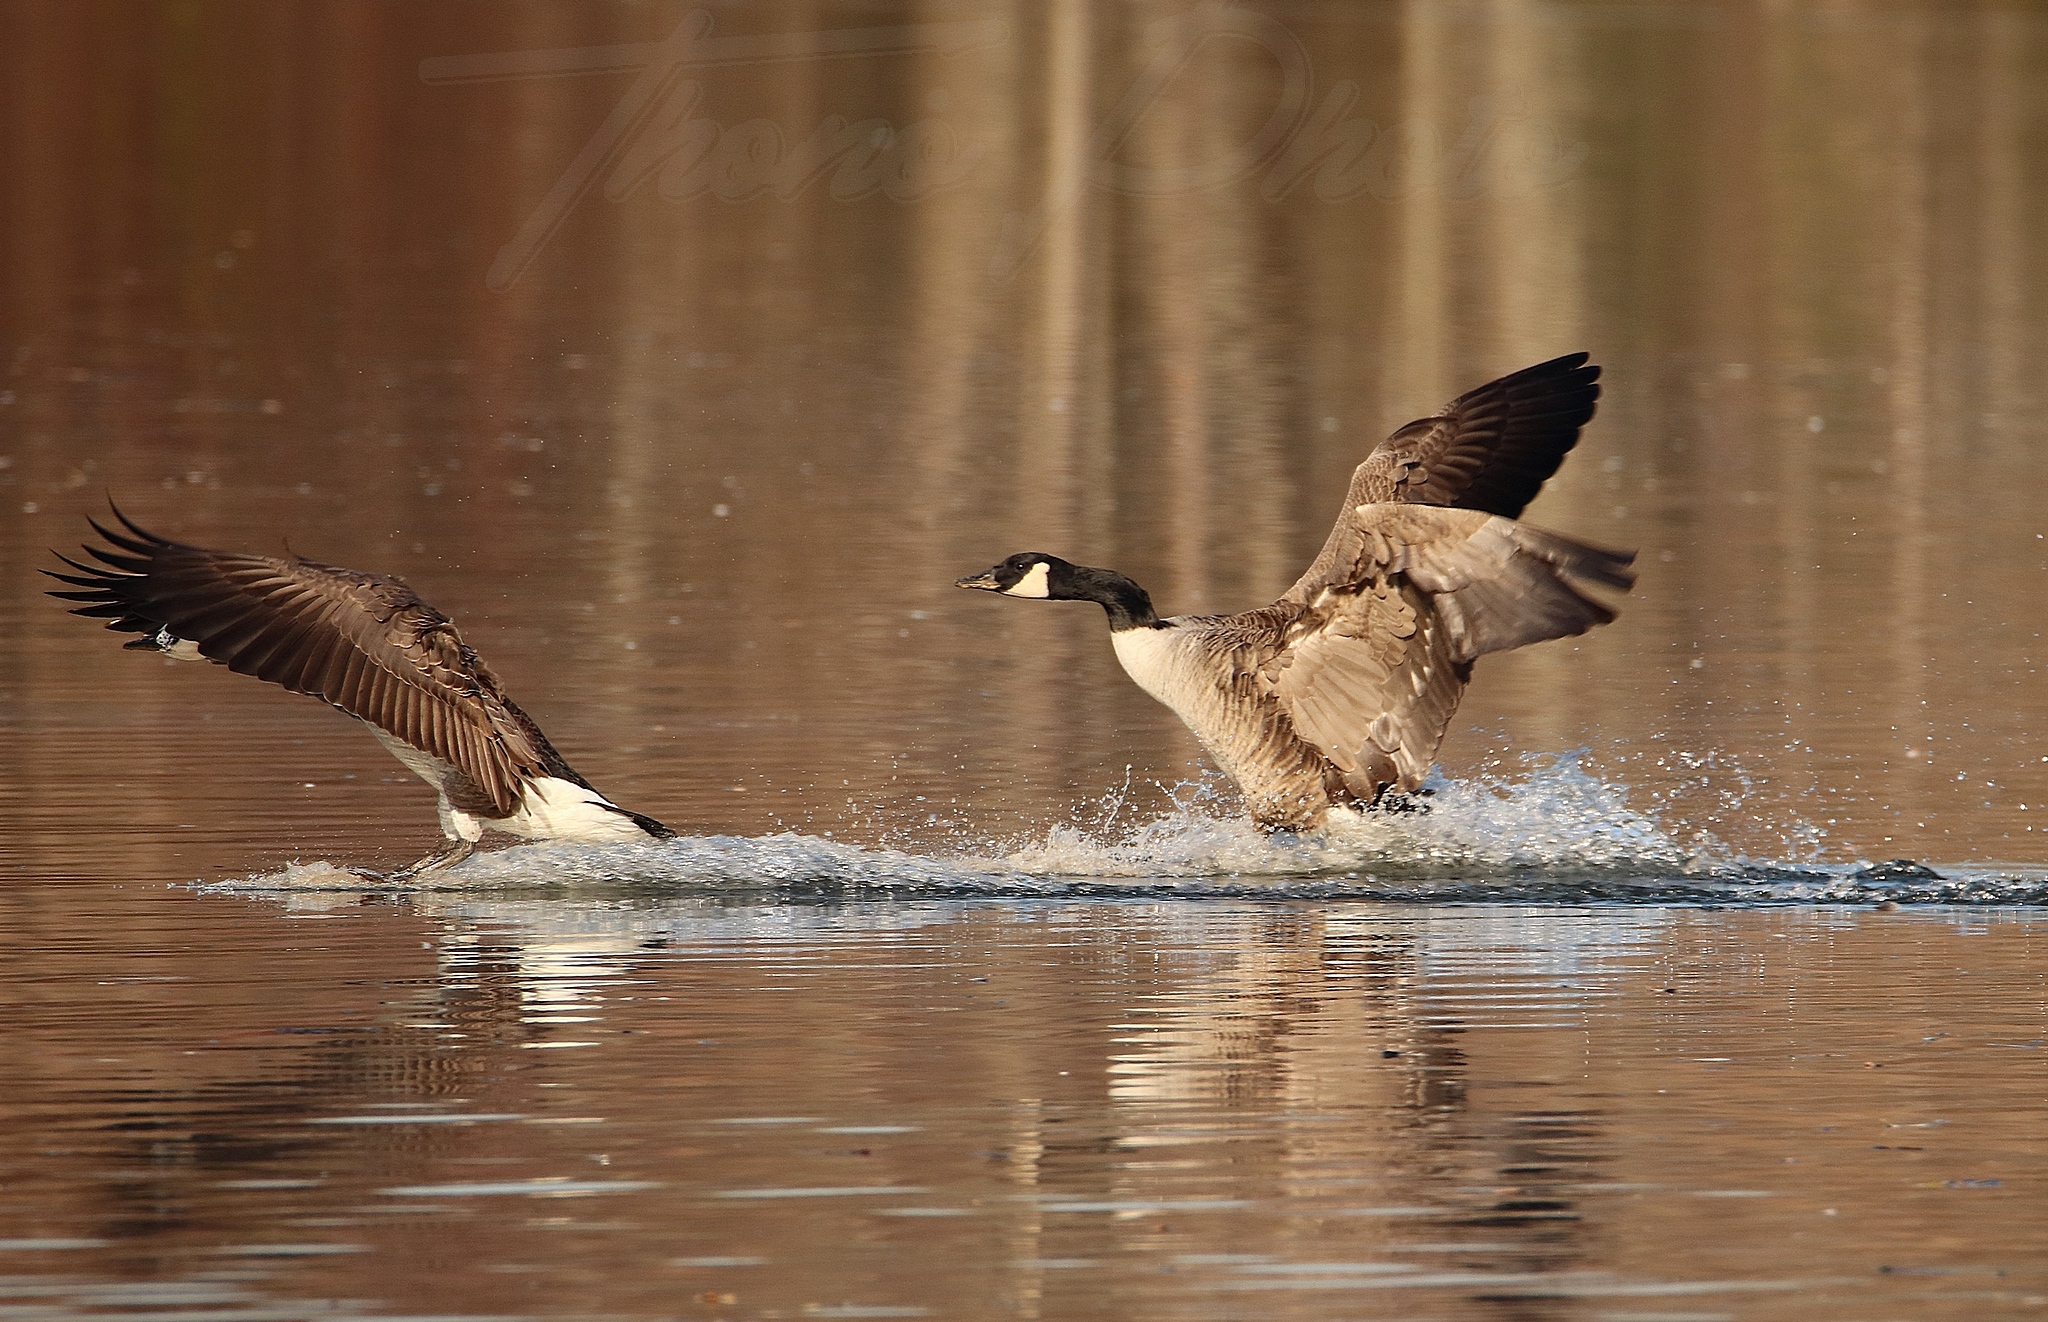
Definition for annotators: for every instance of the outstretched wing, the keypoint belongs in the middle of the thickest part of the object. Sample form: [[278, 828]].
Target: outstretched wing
[[362, 642], [1372, 682], [1371, 669], [1491, 449], [1496, 583]]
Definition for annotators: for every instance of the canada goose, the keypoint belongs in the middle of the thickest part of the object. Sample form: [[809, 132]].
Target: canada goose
[[365, 644], [1340, 691]]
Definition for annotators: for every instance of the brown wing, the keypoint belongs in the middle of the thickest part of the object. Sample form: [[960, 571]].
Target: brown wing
[[1371, 669], [1496, 583], [1372, 681], [1490, 449], [362, 642]]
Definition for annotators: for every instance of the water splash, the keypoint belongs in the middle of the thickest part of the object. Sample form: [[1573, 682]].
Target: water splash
[[1555, 817], [1550, 833], [786, 864]]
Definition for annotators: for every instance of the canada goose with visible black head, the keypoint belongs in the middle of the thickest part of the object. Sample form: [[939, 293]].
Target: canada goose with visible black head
[[1341, 690], [367, 645]]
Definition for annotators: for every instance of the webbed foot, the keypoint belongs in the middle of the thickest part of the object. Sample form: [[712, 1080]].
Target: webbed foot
[[1403, 801], [447, 858]]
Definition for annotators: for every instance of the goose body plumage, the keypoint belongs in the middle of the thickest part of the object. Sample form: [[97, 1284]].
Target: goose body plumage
[[1341, 690], [368, 646]]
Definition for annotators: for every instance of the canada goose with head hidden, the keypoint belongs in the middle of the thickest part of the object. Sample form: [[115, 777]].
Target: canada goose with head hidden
[[368, 646], [1341, 690]]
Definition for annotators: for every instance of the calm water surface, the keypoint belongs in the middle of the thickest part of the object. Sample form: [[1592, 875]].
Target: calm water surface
[[968, 995], [614, 1105]]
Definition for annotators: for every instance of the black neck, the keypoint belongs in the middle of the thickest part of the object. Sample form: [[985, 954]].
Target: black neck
[[1129, 606]]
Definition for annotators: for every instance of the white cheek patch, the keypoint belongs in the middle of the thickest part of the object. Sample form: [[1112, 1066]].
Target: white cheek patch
[[1033, 584]]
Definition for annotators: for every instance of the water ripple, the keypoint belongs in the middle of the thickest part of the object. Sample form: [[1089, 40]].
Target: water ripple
[[1557, 835]]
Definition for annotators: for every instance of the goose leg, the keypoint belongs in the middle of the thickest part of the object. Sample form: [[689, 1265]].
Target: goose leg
[[462, 831], [456, 851]]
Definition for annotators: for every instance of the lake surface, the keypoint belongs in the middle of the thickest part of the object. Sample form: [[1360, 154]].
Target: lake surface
[[687, 358]]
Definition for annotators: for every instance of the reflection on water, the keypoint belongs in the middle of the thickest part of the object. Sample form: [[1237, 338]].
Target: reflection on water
[[969, 997], [468, 1106]]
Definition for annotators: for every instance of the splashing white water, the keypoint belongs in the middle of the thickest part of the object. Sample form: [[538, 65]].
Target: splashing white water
[[1554, 817], [1549, 833], [788, 862]]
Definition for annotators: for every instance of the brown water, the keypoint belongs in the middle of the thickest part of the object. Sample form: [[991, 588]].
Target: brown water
[[693, 449]]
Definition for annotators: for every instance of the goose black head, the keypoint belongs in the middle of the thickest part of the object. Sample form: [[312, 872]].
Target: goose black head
[[1026, 574], [1048, 578]]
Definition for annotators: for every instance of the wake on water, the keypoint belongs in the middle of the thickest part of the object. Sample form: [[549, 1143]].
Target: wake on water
[[1554, 834]]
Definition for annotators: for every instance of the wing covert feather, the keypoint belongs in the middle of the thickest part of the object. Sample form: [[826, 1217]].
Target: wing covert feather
[[1491, 449], [1496, 583], [1371, 670], [1371, 683]]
